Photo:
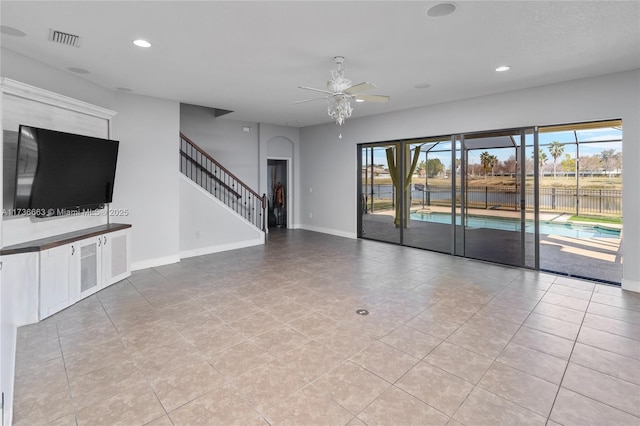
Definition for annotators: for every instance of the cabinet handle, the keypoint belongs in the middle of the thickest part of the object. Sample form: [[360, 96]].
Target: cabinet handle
[[105, 240], [99, 242], [73, 250]]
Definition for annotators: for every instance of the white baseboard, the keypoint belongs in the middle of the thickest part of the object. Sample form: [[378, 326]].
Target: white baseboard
[[168, 260], [631, 285], [335, 232], [220, 248], [152, 263]]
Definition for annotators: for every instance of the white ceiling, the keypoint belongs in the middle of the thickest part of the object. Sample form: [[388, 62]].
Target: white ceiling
[[250, 57]]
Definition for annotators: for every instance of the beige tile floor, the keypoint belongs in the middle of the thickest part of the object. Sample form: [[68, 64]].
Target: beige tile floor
[[269, 335]]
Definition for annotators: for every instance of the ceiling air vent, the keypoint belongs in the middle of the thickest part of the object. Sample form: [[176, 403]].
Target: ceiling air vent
[[64, 38]]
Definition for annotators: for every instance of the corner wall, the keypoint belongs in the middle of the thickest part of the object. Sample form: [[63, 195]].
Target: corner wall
[[147, 177], [330, 164], [223, 139]]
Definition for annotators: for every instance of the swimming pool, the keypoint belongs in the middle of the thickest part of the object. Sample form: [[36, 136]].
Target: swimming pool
[[571, 230]]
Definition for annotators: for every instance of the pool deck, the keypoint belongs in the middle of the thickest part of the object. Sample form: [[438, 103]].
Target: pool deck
[[596, 258]]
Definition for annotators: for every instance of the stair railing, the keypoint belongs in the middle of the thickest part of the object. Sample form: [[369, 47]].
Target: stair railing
[[210, 175]]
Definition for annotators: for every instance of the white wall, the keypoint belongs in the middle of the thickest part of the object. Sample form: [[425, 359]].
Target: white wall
[[147, 176], [224, 140], [328, 183], [329, 163], [207, 225]]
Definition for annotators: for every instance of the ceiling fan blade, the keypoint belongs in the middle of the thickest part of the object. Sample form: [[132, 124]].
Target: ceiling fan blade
[[371, 98], [361, 87], [309, 100], [316, 90]]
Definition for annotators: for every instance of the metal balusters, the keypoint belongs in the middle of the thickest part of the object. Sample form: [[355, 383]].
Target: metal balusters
[[218, 181]]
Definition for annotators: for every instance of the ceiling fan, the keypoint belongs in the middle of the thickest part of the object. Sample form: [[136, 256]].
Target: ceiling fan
[[340, 91]]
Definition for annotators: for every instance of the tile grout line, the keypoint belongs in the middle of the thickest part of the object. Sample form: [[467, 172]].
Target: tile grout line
[[66, 373], [569, 359], [496, 360]]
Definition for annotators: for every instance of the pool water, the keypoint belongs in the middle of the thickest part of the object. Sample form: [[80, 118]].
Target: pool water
[[571, 230]]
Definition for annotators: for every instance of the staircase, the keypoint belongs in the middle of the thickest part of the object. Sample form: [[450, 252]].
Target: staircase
[[210, 175]]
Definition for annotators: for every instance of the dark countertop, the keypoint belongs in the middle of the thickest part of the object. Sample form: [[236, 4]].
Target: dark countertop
[[62, 239]]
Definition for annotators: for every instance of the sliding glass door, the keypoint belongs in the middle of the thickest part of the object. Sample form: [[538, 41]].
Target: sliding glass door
[[581, 200], [493, 194], [541, 198], [429, 222], [379, 198]]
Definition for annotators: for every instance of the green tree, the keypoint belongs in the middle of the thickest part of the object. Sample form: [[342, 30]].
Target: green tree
[[434, 167], [568, 164], [555, 149]]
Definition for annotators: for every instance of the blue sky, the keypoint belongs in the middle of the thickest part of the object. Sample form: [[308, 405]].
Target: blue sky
[[595, 137]]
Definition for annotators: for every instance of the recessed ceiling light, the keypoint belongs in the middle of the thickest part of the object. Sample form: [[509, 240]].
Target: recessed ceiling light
[[503, 68], [78, 70], [141, 43], [11, 31], [359, 100], [441, 10], [422, 86]]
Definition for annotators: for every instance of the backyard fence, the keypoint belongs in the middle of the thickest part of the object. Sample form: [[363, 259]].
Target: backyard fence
[[563, 200]]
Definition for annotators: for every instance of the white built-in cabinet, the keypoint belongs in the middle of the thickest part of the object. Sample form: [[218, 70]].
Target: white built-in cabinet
[[71, 272], [67, 268]]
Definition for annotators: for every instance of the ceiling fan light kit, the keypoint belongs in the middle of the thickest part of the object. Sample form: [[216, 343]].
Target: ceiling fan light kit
[[340, 91], [338, 106]]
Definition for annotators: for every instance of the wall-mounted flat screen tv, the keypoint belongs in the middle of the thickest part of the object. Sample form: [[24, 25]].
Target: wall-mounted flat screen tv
[[58, 172]]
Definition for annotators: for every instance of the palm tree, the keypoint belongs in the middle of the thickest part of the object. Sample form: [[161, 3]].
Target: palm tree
[[485, 160], [493, 161], [542, 160], [555, 149]]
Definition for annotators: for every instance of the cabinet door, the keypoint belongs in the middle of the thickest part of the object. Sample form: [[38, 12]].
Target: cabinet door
[[20, 289], [116, 254], [54, 279], [86, 268]]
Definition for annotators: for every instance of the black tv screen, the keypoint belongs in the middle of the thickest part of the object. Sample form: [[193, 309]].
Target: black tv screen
[[58, 171]]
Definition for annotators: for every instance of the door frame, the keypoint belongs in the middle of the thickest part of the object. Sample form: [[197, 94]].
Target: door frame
[[520, 185], [289, 187]]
